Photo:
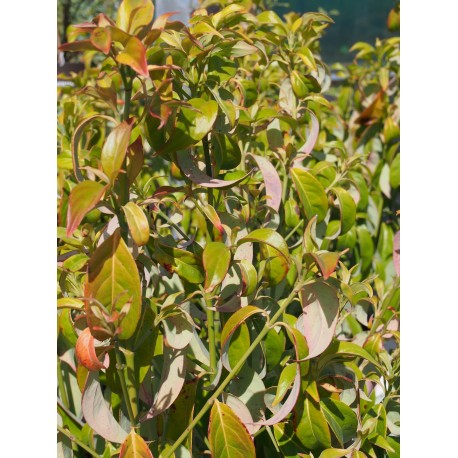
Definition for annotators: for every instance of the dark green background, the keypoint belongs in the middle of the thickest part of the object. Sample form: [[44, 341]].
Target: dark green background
[[358, 20]]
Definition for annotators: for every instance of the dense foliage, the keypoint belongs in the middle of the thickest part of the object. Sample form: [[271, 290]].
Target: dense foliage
[[228, 245]]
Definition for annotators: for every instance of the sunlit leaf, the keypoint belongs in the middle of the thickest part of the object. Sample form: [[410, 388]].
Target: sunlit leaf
[[312, 430], [134, 447], [216, 259], [134, 55], [113, 280], [133, 15], [228, 436], [137, 222], [83, 198]]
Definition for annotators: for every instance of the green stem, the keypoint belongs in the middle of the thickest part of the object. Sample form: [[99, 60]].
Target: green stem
[[61, 384], [211, 336], [69, 413], [298, 225], [171, 223], [269, 325], [208, 166], [77, 441], [125, 392]]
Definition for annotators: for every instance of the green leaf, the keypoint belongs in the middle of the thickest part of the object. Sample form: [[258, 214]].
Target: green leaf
[[133, 15], [134, 447], [181, 413], [270, 237], [193, 123], [228, 436], [134, 56], [326, 261], [236, 320], [284, 383], [184, 263], [240, 342], [75, 262], [312, 430], [216, 259], [341, 419], [137, 222], [395, 172], [114, 150], [311, 193], [276, 267], [347, 209], [334, 453], [287, 440], [249, 277], [114, 281], [83, 198]]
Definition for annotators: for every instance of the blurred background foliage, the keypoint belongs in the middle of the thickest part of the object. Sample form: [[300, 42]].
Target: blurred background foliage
[[355, 20]]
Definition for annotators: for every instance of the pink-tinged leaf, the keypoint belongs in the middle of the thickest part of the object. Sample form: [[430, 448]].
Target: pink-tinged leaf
[[271, 180], [172, 380], [83, 198], [76, 140], [212, 215], [134, 15], [326, 262], [135, 447], [114, 150], [102, 20], [78, 46], [290, 402], [97, 414], [101, 39], [134, 55], [85, 351], [216, 260], [228, 436], [193, 173], [318, 323], [241, 410], [397, 252], [307, 147]]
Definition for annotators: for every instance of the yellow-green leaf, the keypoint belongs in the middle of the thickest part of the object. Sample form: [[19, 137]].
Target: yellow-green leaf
[[229, 437], [135, 447], [101, 39], [114, 281], [133, 15], [216, 259], [114, 150], [137, 222]]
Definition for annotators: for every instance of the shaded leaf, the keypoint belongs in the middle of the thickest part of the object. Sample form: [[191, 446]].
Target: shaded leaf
[[97, 414], [271, 180], [341, 419], [192, 172], [172, 380], [347, 209]]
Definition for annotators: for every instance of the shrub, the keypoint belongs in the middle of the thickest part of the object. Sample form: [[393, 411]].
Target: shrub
[[228, 254]]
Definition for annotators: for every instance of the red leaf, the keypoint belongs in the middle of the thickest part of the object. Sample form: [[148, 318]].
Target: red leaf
[[85, 351], [134, 55]]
